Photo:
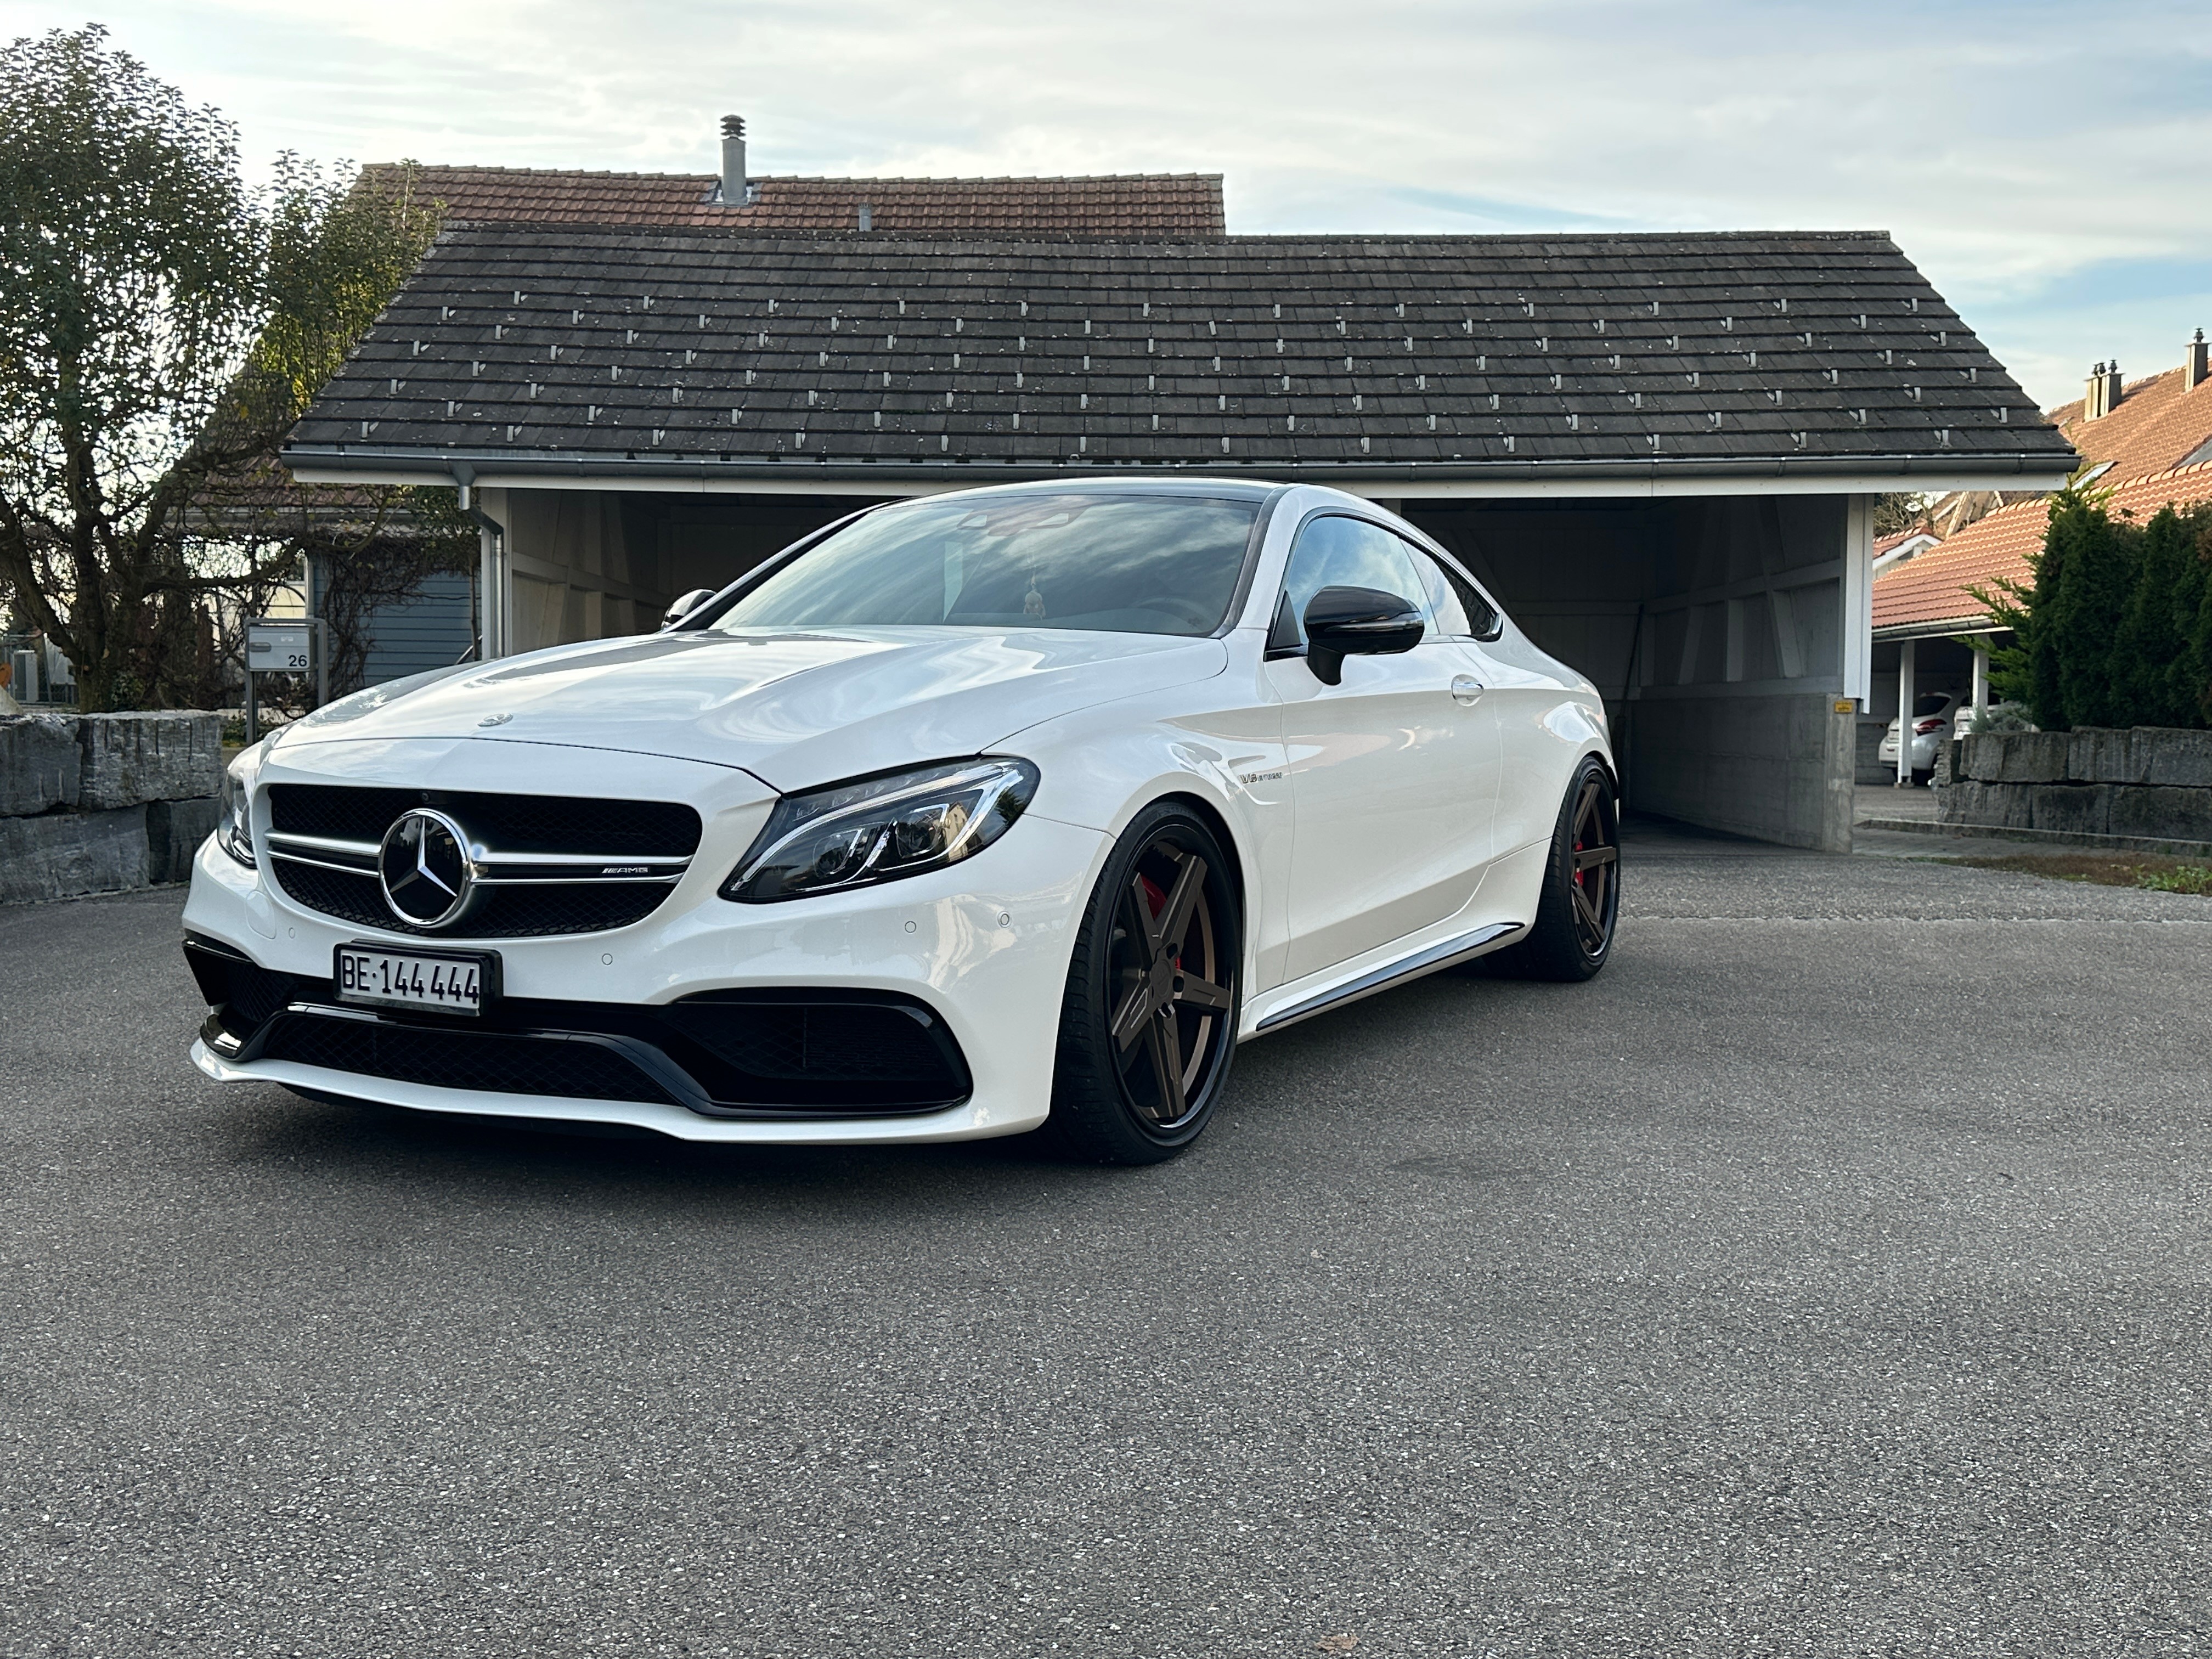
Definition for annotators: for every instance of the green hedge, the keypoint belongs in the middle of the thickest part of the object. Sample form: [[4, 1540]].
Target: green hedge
[[2115, 628]]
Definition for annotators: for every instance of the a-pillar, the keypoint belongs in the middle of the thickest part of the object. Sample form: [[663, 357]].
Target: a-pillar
[[1905, 714]]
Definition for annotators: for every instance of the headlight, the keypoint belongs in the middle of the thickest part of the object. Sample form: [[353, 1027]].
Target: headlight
[[875, 830], [233, 831]]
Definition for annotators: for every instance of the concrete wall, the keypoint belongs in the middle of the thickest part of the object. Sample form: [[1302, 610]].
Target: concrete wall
[[1715, 630], [1776, 767], [104, 803]]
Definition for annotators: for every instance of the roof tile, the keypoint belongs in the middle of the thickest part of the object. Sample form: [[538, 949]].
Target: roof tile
[[2154, 426], [1130, 204], [732, 345]]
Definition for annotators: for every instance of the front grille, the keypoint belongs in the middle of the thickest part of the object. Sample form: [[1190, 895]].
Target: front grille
[[463, 1059], [323, 840], [512, 823], [535, 912]]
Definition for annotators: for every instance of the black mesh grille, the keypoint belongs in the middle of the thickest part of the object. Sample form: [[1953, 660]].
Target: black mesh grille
[[500, 913], [244, 990], [820, 1042], [463, 1059], [507, 823], [256, 991]]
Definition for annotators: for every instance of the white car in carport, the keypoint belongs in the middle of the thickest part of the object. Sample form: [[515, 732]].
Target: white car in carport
[[970, 814], [1931, 712]]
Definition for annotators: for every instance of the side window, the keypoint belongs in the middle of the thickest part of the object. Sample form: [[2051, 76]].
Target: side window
[[1479, 617], [1338, 552], [1444, 602]]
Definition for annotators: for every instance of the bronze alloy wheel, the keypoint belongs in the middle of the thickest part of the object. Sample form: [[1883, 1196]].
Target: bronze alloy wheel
[[1171, 1004], [1593, 835], [1149, 1025], [1578, 905]]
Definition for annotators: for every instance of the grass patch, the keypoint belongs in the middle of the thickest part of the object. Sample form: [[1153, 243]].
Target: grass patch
[[2161, 875]]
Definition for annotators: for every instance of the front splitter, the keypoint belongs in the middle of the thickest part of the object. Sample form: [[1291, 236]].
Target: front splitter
[[972, 1120]]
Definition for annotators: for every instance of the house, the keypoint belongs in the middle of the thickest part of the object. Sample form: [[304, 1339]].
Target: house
[[440, 623], [1660, 451], [1898, 545], [2149, 443]]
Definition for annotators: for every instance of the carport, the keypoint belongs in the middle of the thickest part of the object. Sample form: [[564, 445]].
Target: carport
[[1660, 451]]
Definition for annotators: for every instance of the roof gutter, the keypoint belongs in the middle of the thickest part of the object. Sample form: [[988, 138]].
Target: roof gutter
[[1943, 629], [351, 463]]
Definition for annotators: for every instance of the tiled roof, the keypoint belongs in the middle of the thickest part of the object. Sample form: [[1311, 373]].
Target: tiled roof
[[1632, 354], [1123, 204], [1931, 587], [2154, 426]]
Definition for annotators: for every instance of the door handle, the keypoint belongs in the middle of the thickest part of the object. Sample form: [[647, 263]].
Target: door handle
[[1465, 688]]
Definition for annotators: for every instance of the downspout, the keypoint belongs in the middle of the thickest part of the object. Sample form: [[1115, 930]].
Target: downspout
[[491, 565]]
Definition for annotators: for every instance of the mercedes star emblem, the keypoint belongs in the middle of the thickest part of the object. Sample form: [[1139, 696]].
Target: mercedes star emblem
[[423, 865]]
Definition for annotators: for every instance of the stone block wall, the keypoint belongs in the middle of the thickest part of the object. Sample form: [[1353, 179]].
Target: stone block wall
[[2144, 783], [104, 803]]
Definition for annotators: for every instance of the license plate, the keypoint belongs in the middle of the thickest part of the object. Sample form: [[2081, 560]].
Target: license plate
[[443, 981]]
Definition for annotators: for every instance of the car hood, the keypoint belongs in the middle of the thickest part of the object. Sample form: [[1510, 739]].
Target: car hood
[[795, 709]]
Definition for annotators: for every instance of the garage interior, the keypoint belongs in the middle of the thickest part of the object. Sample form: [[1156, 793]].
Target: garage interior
[[1713, 626]]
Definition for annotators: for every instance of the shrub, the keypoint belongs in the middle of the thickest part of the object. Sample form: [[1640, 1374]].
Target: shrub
[[2115, 628]]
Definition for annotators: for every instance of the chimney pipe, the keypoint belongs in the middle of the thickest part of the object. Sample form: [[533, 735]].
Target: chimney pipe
[[2194, 363], [2105, 391], [734, 187]]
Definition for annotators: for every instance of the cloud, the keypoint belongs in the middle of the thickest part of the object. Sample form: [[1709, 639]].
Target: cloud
[[2032, 157]]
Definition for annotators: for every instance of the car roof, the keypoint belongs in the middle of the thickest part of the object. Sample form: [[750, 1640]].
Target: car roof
[[1236, 489]]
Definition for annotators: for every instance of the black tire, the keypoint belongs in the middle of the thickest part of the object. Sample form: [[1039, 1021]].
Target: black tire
[[1572, 936], [1146, 1045]]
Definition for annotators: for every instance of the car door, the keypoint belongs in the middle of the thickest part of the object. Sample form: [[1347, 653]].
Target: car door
[[1394, 771], [1516, 698]]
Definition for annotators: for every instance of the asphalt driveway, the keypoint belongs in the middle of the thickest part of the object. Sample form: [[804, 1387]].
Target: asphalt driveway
[[1830, 1277]]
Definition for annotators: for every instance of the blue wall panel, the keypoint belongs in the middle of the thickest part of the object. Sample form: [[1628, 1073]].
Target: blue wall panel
[[432, 630]]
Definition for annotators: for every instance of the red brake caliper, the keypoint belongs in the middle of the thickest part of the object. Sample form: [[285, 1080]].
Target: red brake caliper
[[1156, 900]]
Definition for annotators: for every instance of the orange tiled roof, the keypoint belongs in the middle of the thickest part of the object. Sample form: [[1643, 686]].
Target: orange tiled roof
[[1897, 538], [2155, 425], [1931, 587], [1150, 204]]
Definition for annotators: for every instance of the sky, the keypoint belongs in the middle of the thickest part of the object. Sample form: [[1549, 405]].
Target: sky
[[2041, 162]]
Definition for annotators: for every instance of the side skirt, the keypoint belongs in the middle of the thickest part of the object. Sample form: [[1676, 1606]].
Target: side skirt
[[1389, 973]]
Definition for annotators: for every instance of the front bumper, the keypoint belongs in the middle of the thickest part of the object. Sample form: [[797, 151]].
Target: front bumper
[[975, 956]]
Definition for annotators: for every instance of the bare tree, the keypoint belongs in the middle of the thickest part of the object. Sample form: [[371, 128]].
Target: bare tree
[[162, 328]]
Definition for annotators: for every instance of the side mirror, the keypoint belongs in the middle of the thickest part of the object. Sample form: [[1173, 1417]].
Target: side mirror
[[684, 607], [1356, 622]]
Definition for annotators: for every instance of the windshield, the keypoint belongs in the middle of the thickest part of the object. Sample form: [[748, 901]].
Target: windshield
[[1932, 702], [1095, 564]]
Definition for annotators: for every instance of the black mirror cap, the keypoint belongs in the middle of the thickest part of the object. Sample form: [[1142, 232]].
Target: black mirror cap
[[1356, 622], [685, 605]]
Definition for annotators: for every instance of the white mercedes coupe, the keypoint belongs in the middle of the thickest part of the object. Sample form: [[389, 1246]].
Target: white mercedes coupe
[[969, 815]]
